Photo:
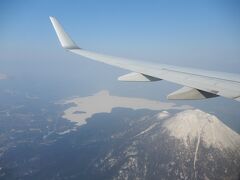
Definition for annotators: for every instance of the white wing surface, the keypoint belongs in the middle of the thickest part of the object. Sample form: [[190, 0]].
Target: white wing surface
[[197, 84]]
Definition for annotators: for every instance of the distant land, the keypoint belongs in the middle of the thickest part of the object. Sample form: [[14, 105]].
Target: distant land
[[138, 139], [103, 102]]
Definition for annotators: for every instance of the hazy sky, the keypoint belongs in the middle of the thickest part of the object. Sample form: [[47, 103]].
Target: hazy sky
[[195, 33], [201, 34]]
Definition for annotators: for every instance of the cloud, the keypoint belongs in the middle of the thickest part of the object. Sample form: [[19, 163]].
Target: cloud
[[3, 76]]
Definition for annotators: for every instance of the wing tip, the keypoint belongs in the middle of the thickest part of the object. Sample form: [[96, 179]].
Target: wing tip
[[63, 37]]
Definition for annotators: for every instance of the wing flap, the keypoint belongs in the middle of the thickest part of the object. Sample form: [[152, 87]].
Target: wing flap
[[137, 77], [188, 93]]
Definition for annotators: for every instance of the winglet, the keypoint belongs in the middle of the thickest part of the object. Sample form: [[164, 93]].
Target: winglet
[[63, 37]]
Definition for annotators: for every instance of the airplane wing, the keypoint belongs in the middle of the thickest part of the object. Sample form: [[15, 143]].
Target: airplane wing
[[197, 84]]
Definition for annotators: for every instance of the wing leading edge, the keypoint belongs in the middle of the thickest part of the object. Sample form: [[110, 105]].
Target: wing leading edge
[[198, 84]]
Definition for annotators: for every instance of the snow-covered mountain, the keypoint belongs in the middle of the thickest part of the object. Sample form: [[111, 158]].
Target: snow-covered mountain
[[211, 139], [190, 125], [191, 144]]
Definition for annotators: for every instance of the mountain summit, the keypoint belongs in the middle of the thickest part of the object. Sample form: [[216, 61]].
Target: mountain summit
[[190, 125]]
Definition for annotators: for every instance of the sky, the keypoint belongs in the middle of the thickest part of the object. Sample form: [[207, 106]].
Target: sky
[[201, 34]]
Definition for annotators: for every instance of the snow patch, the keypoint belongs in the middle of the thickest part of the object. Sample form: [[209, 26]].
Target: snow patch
[[163, 115], [146, 130], [67, 131]]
